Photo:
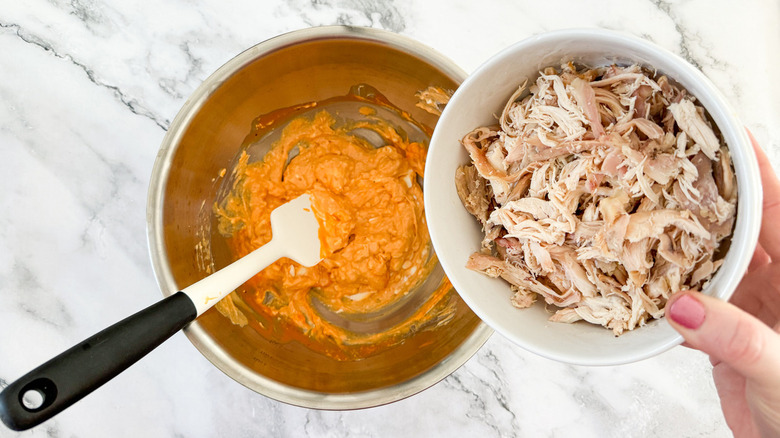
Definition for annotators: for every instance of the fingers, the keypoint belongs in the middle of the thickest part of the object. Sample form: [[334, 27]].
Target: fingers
[[760, 258], [727, 334], [769, 237], [759, 293], [731, 391]]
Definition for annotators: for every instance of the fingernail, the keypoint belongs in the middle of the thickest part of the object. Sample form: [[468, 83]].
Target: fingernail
[[687, 311]]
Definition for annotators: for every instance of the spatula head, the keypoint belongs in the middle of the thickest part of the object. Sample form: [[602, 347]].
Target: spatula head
[[296, 226]]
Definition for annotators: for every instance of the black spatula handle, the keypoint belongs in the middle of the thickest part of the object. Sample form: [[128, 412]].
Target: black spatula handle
[[83, 368]]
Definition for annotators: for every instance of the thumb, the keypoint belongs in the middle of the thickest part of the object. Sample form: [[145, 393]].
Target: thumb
[[728, 334]]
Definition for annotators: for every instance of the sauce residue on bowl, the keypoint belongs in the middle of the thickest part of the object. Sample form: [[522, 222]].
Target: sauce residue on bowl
[[373, 232]]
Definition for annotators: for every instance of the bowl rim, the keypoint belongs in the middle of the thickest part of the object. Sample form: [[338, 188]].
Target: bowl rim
[[747, 224], [158, 253]]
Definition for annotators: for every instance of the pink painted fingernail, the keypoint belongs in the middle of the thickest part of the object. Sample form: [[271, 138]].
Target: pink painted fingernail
[[687, 311]]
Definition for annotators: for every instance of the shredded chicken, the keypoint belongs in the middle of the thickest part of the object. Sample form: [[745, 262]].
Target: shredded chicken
[[603, 191], [433, 99]]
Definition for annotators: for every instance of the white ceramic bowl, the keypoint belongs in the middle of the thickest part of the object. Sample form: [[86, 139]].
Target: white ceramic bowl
[[456, 234]]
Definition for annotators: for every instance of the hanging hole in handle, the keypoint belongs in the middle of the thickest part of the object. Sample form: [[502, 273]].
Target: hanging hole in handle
[[32, 399], [38, 394]]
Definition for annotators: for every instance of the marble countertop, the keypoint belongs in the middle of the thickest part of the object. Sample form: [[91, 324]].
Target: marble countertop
[[87, 91]]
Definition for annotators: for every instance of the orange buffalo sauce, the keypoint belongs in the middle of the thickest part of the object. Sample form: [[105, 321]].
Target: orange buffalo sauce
[[372, 229]]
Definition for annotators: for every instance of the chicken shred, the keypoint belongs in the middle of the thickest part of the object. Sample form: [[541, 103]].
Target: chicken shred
[[602, 191]]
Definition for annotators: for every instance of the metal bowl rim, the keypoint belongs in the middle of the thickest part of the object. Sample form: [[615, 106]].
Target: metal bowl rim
[[158, 253]]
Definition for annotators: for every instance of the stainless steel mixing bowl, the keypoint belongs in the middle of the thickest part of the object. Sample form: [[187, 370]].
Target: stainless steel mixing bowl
[[298, 67]]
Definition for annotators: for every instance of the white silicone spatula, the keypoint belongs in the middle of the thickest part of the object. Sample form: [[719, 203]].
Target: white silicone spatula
[[295, 236], [65, 379]]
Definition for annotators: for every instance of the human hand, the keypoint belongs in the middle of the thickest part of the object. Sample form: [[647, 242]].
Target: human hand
[[742, 338]]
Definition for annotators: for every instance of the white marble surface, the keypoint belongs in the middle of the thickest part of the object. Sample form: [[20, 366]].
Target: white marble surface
[[87, 90]]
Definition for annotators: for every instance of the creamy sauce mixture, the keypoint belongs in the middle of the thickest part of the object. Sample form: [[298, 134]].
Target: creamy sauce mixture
[[373, 230]]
